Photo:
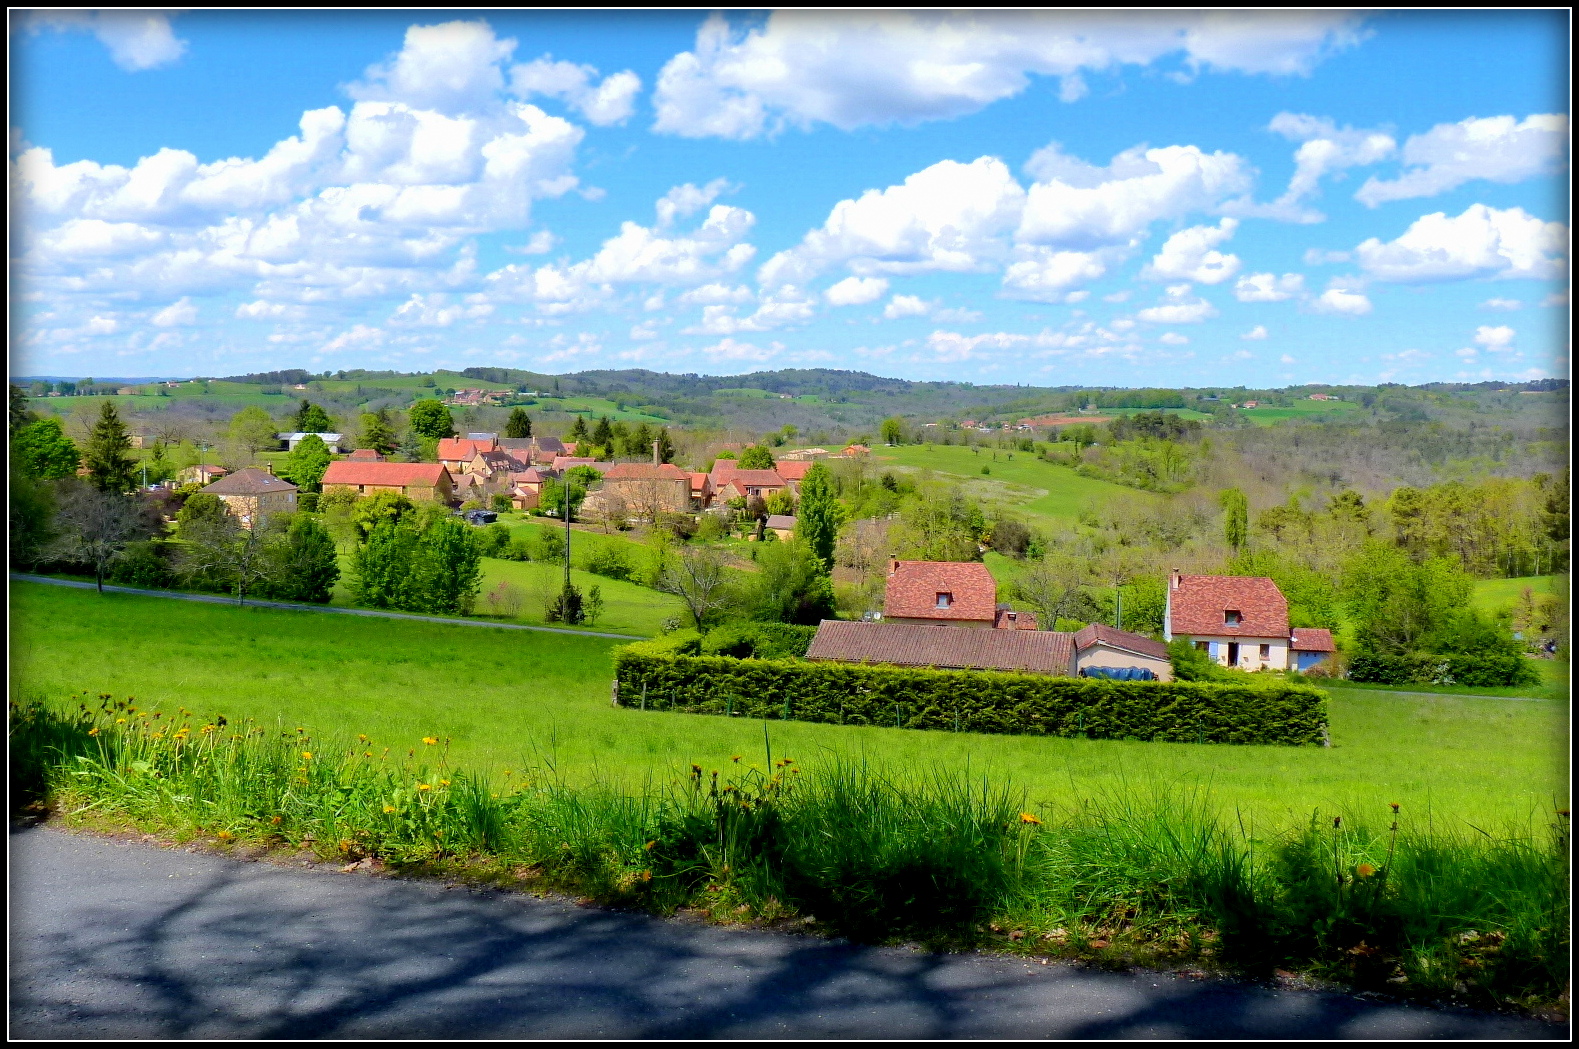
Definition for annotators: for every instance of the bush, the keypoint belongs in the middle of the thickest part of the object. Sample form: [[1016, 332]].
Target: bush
[[608, 559], [1444, 669], [976, 701], [493, 540], [307, 501], [142, 565], [518, 550]]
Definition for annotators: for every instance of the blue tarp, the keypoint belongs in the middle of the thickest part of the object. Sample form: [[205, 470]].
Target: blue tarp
[[1120, 673]]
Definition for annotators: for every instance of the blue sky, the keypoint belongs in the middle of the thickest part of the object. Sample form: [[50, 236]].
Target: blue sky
[[1168, 198]]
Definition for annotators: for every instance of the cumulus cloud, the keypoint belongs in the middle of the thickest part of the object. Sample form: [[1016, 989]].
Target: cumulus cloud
[[180, 312], [1190, 255], [452, 68], [907, 306], [729, 350], [1269, 287], [1179, 306], [1324, 148], [136, 40], [1256, 333], [1502, 304], [857, 68], [438, 311], [715, 293], [782, 306], [1342, 298], [262, 310], [684, 201], [1482, 242], [1497, 339], [856, 291], [1173, 338], [609, 102], [1497, 149]]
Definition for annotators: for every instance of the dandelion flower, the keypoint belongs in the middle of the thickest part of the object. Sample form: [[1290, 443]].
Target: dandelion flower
[[225, 835], [444, 782], [1365, 870], [307, 755], [120, 721], [93, 732], [361, 737], [423, 786], [735, 758], [429, 740], [389, 808], [1026, 817]]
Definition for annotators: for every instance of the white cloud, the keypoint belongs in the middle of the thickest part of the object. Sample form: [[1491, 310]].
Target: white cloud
[[180, 312], [1482, 242], [782, 306], [1319, 257], [451, 68], [729, 350], [1256, 333], [1047, 275], [136, 40], [1498, 149], [645, 331], [1173, 338], [684, 201], [856, 291], [1268, 287], [1324, 148], [1342, 298], [1190, 255], [856, 68], [907, 306], [101, 326], [948, 217], [1117, 296], [715, 293], [1287, 359], [1502, 304], [539, 243], [1179, 306], [611, 102], [437, 311], [263, 310], [1556, 298], [1497, 339]]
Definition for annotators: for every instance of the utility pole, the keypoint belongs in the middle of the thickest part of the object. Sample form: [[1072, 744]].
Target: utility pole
[[566, 493]]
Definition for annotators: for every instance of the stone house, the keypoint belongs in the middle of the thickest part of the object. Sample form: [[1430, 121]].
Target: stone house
[[419, 482], [254, 495]]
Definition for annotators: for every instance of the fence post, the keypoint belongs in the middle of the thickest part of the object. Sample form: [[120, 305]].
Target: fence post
[[644, 695]]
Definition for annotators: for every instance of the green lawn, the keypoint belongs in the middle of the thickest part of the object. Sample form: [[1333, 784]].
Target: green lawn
[[508, 698], [1492, 595], [1056, 494]]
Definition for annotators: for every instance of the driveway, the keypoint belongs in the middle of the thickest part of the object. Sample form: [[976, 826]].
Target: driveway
[[112, 939]]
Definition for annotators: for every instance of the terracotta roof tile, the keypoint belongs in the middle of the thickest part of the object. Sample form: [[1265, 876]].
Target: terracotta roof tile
[[914, 586], [1312, 639], [1200, 602], [461, 449], [645, 472], [1115, 638], [914, 645], [402, 475], [792, 471], [757, 478]]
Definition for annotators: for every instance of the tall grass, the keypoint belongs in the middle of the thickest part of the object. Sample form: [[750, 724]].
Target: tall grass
[[943, 857]]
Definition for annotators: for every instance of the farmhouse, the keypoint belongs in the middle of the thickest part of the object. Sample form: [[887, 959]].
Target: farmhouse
[[425, 482], [1241, 621], [456, 452], [649, 488], [203, 473], [254, 495], [943, 593], [1094, 651]]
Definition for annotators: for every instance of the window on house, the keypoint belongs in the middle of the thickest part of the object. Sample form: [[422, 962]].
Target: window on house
[[1231, 617], [1203, 646], [1266, 652], [945, 600]]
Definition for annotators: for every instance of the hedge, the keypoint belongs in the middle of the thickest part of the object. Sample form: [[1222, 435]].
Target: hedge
[[1443, 669], [970, 701]]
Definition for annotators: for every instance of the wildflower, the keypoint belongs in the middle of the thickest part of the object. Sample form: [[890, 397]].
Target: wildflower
[[361, 737], [276, 820], [157, 735], [300, 729], [1394, 805], [389, 808], [225, 835], [209, 728], [649, 845], [646, 875], [368, 754], [1026, 817], [93, 732], [444, 782], [423, 786], [429, 740], [736, 758], [506, 772], [1336, 821], [1365, 870], [120, 721], [307, 755]]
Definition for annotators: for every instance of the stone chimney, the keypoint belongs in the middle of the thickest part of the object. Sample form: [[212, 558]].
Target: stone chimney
[[1173, 580], [270, 468], [893, 565], [655, 460]]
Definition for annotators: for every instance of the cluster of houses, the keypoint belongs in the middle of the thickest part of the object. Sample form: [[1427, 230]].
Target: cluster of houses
[[946, 614]]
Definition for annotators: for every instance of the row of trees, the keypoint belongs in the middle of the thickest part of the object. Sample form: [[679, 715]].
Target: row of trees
[[607, 439]]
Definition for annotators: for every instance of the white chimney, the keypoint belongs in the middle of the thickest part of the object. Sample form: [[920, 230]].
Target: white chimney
[[655, 459]]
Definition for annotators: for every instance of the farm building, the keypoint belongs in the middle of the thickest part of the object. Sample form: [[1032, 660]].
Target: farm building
[[1242, 622], [254, 495], [425, 482]]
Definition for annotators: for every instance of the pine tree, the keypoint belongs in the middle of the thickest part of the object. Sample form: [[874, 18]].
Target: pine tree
[[310, 418], [665, 446], [110, 468], [603, 433], [578, 430], [818, 519], [519, 426], [377, 434]]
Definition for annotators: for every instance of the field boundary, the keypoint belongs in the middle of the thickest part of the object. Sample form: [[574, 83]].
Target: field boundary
[[291, 606]]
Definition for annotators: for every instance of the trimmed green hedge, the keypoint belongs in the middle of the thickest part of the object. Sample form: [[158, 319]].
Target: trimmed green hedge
[[1444, 669], [970, 701]]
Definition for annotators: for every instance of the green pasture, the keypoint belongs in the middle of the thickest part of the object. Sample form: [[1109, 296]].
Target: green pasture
[[1037, 487], [1267, 416], [1492, 595], [508, 699]]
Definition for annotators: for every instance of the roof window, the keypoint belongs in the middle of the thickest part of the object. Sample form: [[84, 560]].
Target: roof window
[[945, 600], [1231, 617]]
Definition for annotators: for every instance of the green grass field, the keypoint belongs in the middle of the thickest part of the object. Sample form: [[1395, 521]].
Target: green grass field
[[507, 699], [1492, 595], [1040, 489], [1272, 414]]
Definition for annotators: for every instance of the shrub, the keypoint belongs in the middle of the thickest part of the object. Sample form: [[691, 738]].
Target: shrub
[[977, 701], [1444, 669], [142, 565], [608, 559], [518, 550], [493, 540]]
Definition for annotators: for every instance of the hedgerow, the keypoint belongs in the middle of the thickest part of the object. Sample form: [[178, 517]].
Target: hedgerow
[[970, 701], [1443, 669]]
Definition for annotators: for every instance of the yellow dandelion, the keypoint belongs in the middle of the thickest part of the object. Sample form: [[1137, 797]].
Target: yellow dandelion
[[93, 732], [444, 782], [429, 740], [120, 721], [1365, 870], [225, 835], [276, 820], [1026, 817], [423, 786], [389, 808], [307, 755], [368, 754], [361, 737], [736, 758]]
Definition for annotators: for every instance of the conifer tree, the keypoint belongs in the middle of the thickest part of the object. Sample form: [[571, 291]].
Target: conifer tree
[[110, 468], [519, 426]]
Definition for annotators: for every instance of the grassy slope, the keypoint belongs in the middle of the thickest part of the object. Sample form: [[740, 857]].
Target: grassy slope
[[503, 696], [1041, 489], [1494, 594], [1298, 410]]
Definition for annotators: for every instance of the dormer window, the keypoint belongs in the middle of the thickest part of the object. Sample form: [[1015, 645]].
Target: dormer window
[[945, 600], [1231, 617]]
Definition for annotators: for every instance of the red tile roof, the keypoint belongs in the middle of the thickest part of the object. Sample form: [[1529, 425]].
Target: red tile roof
[[1199, 602], [914, 586], [1311, 639], [366, 455], [915, 645], [401, 475], [757, 478], [792, 471], [461, 449], [646, 472], [700, 483], [565, 462], [531, 475], [1100, 633], [250, 481]]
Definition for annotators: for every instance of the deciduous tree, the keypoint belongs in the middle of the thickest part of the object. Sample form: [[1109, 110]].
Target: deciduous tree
[[820, 514], [42, 450], [431, 419], [93, 526], [306, 464]]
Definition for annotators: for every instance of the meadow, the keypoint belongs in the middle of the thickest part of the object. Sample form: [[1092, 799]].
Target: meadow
[[1051, 494], [508, 700]]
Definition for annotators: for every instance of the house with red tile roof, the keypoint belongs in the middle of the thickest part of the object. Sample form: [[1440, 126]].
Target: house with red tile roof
[[429, 482], [1309, 646], [1095, 651], [649, 488], [1240, 621], [941, 593], [456, 452], [1100, 645], [749, 484]]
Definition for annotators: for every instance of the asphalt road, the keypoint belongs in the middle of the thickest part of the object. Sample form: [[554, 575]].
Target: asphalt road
[[112, 939]]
